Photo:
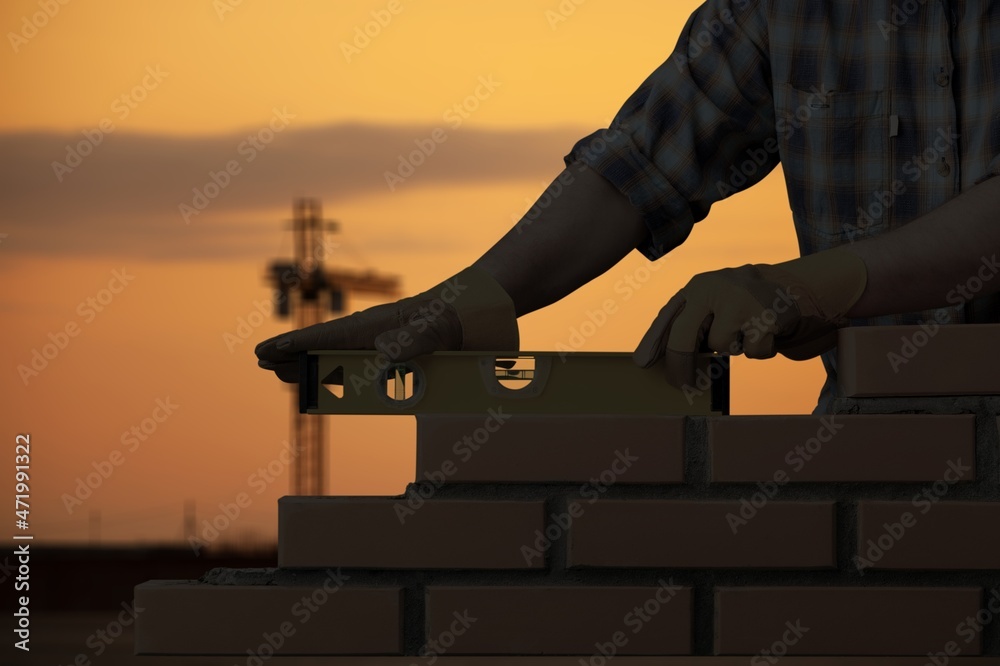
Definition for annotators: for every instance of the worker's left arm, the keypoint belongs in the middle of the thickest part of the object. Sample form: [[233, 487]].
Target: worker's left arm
[[794, 308]]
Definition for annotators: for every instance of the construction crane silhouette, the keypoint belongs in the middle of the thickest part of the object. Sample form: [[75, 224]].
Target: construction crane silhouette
[[309, 287]]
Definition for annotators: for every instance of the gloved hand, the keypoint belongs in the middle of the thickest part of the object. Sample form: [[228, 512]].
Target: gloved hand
[[469, 312], [792, 308]]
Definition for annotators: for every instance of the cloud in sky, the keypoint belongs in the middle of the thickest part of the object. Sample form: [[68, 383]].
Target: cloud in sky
[[125, 195]]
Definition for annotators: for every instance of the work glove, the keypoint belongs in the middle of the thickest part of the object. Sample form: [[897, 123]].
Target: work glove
[[467, 312], [792, 308]]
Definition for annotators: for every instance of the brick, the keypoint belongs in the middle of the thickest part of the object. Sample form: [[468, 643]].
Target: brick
[[563, 620], [845, 621], [869, 448], [185, 617], [961, 359], [367, 532], [940, 535], [530, 448], [670, 533]]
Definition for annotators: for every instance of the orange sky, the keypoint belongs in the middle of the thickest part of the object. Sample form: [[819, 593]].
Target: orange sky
[[177, 89]]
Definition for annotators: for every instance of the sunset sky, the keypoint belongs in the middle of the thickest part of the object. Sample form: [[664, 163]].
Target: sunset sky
[[139, 103]]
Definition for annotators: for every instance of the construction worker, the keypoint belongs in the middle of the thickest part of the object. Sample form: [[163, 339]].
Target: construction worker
[[885, 116]]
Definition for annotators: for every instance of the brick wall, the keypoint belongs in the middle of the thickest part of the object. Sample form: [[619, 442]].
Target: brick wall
[[874, 531]]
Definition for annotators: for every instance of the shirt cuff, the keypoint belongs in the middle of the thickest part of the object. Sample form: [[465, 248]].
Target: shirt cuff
[[614, 155]]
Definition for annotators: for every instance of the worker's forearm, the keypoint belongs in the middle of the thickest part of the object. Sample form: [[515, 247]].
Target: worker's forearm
[[920, 265], [579, 228]]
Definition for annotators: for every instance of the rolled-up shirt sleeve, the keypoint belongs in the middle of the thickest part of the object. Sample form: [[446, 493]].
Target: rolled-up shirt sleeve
[[682, 140]]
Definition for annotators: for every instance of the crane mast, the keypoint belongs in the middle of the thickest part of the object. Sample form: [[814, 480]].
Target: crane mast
[[310, 288]]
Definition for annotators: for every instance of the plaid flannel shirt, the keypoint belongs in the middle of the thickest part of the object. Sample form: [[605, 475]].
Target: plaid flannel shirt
[[878, 111]]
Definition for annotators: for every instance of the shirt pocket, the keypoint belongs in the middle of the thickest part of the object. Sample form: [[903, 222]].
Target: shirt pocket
[[834, 150]]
